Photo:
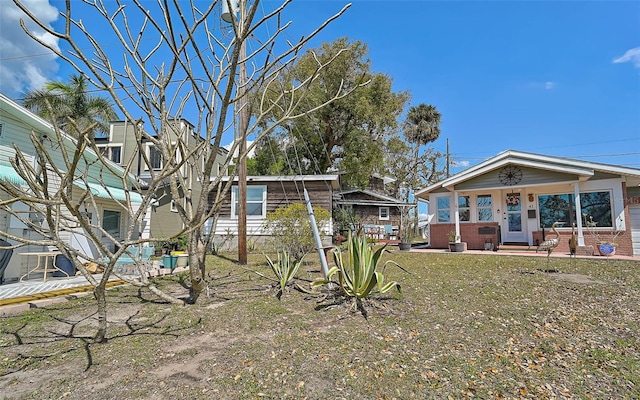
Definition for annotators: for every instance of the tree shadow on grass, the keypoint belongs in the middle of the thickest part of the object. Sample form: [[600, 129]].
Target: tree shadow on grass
[[134, 324]]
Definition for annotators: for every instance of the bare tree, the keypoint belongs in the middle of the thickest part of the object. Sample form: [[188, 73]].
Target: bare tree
[[177, 60]]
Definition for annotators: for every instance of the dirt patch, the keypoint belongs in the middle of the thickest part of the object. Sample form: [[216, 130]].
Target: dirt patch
[[576, 278]]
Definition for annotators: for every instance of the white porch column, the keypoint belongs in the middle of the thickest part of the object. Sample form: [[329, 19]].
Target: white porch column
[[456, 214], [578, 216]]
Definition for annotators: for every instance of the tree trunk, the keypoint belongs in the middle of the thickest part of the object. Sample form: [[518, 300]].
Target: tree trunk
[[197, 267], [100, 294]]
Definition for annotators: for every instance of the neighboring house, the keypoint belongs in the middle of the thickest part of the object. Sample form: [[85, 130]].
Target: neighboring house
[[514, 197], [107, 185], [377, 213], [268, 193], [121, 147]]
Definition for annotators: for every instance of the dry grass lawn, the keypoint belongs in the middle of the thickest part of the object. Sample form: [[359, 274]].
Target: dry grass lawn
[[463, 326]]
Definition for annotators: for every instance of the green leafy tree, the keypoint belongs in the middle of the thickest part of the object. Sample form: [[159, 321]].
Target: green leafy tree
[[268, 159], [347, 135], [71, 106], [292, 229]]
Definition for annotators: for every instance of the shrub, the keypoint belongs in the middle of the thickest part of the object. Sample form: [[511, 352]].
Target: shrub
[[292, 230]]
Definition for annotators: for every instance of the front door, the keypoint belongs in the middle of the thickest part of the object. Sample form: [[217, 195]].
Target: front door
[[513, 229]]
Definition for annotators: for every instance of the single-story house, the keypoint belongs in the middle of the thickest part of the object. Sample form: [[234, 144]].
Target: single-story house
[[100, 190], [379, 215], [515, 197], [266, 194]]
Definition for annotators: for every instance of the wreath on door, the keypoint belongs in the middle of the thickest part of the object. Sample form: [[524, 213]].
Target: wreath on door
[[513, 199]]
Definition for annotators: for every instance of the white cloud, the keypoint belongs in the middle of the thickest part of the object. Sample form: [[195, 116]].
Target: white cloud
[[462, 164], [549, 85], [632, 55], [235, 151], [24, 64]]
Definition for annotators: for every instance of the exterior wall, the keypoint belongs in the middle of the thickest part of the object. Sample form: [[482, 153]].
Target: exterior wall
[[625, 246], [532, 177], [470, 233], [532, 232], [164, 222], [370, 215], [17, 125], [279, 194]]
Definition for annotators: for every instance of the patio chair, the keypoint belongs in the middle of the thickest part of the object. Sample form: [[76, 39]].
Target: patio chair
[[126, 259]]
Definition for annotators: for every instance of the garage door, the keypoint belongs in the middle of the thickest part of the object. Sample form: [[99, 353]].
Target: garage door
[[634, 212]]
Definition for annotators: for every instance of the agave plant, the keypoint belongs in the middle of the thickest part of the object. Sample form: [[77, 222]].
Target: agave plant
[[285, 269], [357, 275]]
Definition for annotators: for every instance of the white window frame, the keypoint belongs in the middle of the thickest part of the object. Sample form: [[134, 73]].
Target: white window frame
[[448, 210], [234, 201], [118, 234], [148, 148], [486, 207], [109, 151], [381, 213], [462, 209]]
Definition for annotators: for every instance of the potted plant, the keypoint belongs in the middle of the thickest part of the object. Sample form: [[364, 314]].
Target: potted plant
[[405, 244], [455, 245], [406, 238], [606, 246]]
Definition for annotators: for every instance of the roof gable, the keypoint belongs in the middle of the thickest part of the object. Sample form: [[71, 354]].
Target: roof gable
[[363, 196], [540, 169]]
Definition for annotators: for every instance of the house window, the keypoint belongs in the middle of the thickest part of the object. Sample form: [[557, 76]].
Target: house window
[[485, 208], [383, 213], [256, 202], [443, 209], [173, 208], [595, 206], [116, 154], [464, 208], [113, 153], [111, 222], [155, 158]]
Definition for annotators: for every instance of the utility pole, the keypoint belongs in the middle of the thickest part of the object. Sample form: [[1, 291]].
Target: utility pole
[[228, 14], [448, 161], [242, 159]]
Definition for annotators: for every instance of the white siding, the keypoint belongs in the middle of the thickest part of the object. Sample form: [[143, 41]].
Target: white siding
[[634, 215]]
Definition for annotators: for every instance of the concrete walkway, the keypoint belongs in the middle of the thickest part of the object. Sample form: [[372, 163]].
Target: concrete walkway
[[524, 253], [35, 293]]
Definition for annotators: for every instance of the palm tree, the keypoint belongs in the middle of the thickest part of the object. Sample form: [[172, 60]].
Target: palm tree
[[66, 102], [422, 125]]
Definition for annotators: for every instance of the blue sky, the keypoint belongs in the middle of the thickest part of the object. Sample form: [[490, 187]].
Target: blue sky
[[553, 77]]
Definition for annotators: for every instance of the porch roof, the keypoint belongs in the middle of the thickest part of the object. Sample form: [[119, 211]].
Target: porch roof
[[375, 199], [8, 173], [582, 170], [109, 192]]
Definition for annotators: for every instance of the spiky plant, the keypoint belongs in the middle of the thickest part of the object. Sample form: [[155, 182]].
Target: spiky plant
[[285, 269], [357, 274]]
